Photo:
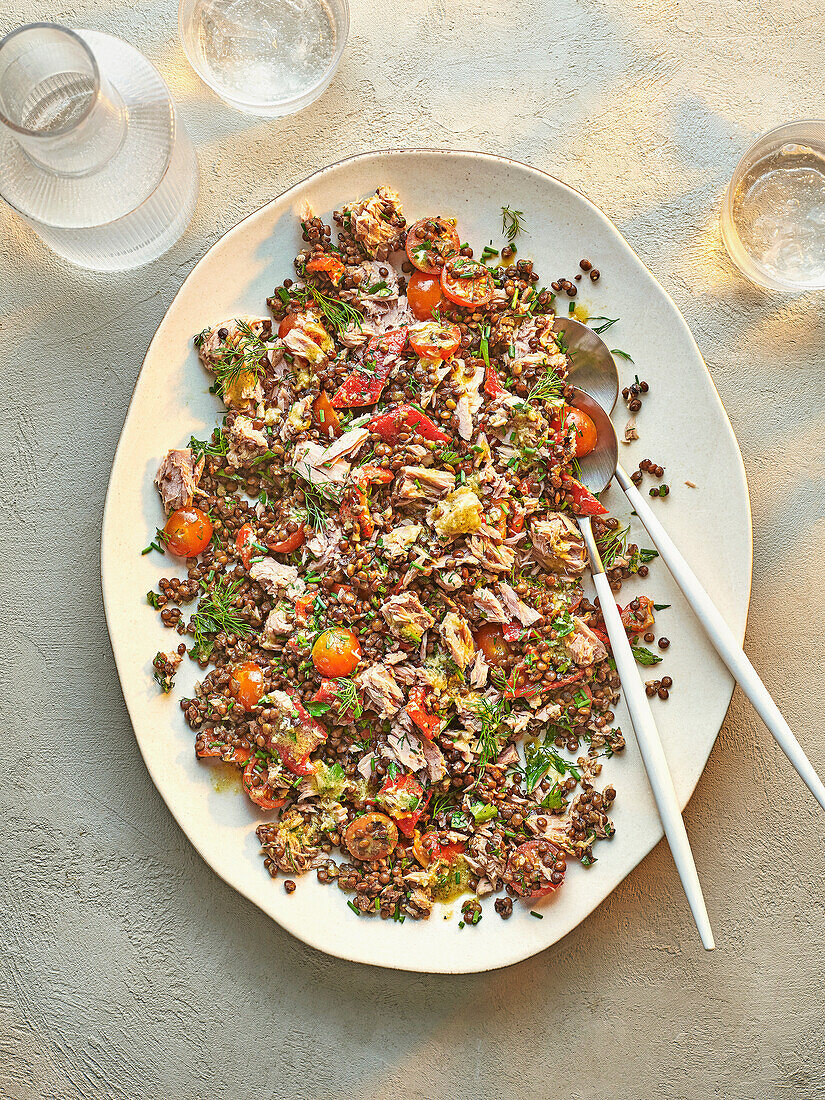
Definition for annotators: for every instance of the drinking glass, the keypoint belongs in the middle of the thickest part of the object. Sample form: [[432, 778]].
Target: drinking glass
[[264, 57], [92, 154], [773, 214]]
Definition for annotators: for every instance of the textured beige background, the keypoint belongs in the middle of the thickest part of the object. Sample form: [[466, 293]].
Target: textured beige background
[[128, 970]]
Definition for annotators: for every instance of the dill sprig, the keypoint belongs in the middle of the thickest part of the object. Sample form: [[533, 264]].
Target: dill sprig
[[348, 699], [316, 499], [492, 714], [539, 757], [339, 314], [216, 613], [242, 358], [550, 389], [512, 223], [613, 546]]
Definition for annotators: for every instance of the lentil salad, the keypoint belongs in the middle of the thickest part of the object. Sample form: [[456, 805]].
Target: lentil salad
[[389, 583]]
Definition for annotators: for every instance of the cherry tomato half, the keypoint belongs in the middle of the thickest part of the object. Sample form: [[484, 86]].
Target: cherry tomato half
[[246, 682], [586, 434], [467, 282], [336, 652], [536, 868], [371, 837], [257, 786], [490, 640], [430, 241], [324, 416], [434, 339], [187, 532], [424, 294], [327, 265], [640, 618], [288, 544]]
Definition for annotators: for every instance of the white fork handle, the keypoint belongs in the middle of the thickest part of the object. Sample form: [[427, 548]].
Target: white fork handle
[[723, 640], [653, 756]]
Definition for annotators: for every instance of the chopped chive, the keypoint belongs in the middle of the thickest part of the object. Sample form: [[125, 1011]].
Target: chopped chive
[[538, 916], [354, 908]]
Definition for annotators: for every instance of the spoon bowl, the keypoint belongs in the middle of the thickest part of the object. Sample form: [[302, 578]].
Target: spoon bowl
[[598, 467], [592, 368]]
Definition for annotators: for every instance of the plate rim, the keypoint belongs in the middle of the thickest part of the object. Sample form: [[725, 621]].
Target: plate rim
[[309, 940]]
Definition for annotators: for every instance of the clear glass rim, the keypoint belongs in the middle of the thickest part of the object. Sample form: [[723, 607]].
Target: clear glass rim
[[46, 134], [736, 250], [266, 105]]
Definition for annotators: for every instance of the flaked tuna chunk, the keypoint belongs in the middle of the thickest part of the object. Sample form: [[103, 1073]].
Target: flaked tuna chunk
[[558, 544], [496, 558], [407, 617], [245, 442], [177, 478], [274, 576], [372, 222], [436, 765], [277, 624], [458, 639], [381, 690], [424, 484], [518, 609], [479, 671], [491, 606], [583, 646]]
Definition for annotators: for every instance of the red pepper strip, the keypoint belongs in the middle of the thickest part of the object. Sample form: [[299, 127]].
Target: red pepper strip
[[389, 424], [429, 724], [583, 500], [207, 746], [602, 635], [408, 822], [511, 631], [328, 693], [492, 385], [242, 541], [364, 386]]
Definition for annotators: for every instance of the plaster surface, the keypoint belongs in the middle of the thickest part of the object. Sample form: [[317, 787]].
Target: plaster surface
[[128, 970]]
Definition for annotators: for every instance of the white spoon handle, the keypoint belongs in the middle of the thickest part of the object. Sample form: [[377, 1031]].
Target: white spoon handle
[[720, 634], [647, 738], [653, 756]]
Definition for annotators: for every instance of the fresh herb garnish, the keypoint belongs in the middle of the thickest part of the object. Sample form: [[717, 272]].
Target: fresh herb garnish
[[645, 656], [607, 323], [512, 223], [216, 613], [621, 354]]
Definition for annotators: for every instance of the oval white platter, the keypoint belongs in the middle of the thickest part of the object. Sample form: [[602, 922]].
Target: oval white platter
[[683, 426]]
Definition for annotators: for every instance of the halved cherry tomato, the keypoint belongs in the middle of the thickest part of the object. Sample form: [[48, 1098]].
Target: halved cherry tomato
[[210, 747], [586, 434], [328, 265], [566, 681], [187, 532], [640, 618], [490, 640], [403, 798], [243, 541], [424, 295], [364, 385], [434, 339], [430, 241], [427, 848], [325, 417], [288, 324], [536, 868], [288, 544], [336, 652], [583, 501], [371, 837], [256, 785], [467, 282], [429, 724], [246, 683]]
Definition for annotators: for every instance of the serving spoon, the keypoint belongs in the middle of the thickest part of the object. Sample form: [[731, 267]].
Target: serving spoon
[[594, 370], [596, 471]]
